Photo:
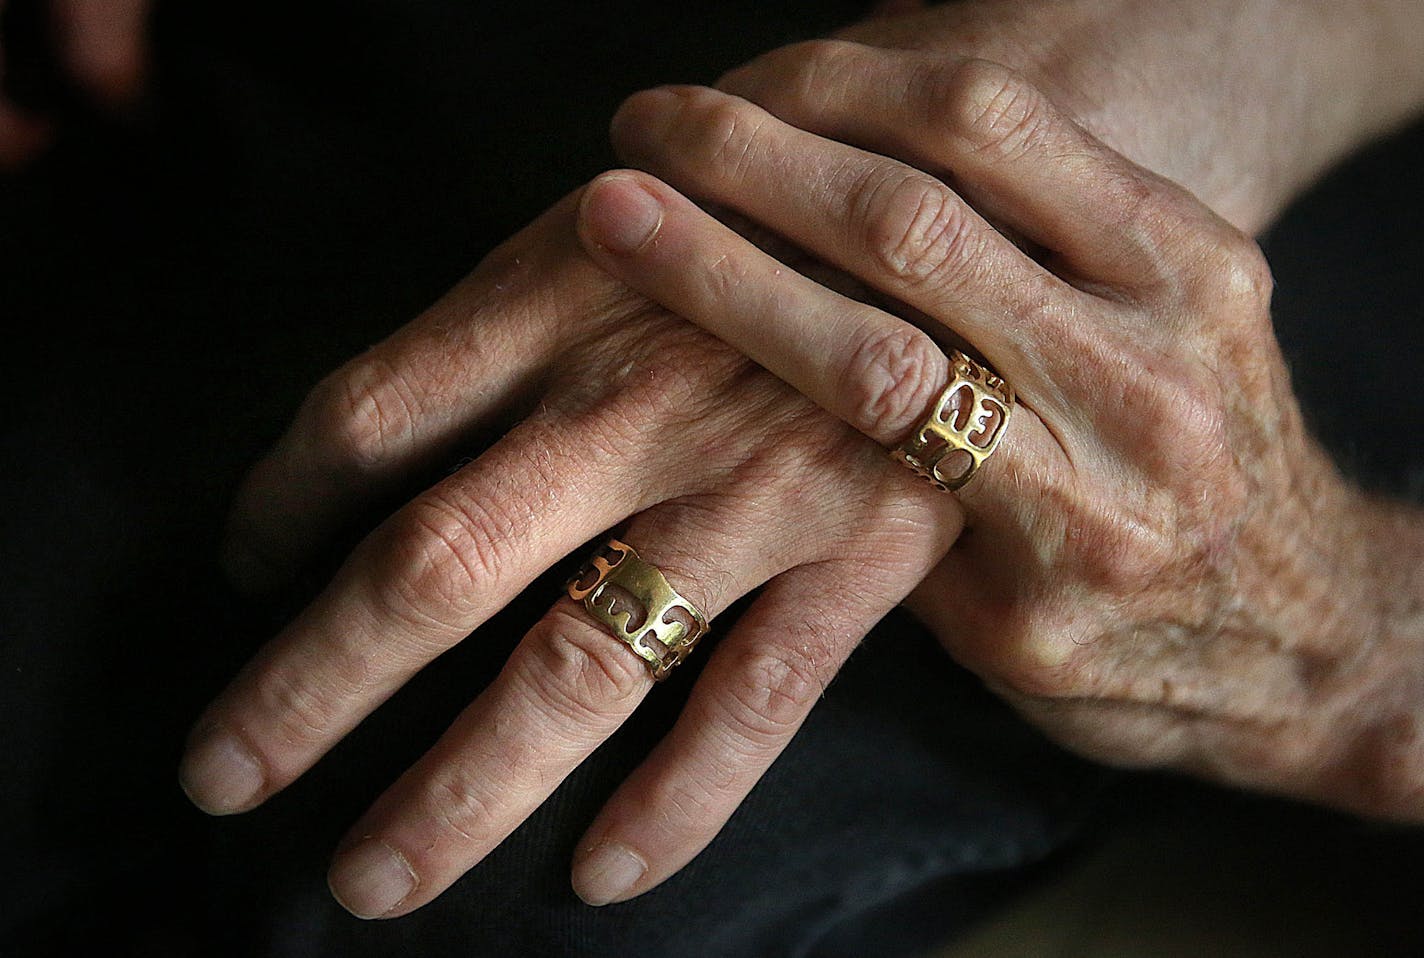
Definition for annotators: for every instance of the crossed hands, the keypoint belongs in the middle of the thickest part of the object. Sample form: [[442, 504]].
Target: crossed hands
[[1150, 566]]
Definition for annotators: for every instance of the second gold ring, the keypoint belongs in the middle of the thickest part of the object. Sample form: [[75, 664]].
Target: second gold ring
[[634, 601]]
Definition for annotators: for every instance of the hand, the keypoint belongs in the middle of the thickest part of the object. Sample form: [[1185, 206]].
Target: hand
[[101, 48], [726, 478], [1243, 103], [1160, 569]]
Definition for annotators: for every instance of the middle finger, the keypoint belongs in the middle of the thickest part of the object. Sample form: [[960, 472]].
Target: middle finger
[[901, 231], [565, 689], [423, 581]]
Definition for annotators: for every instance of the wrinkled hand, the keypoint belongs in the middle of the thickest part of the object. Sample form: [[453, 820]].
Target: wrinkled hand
[[101, 46], [1243, 103], [727, 479], [1160, 568]]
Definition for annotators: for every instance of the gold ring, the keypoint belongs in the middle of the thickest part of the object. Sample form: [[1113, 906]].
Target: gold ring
[[963, 427], [634, 600]]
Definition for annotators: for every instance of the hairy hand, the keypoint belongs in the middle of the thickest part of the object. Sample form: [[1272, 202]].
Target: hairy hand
[[1160, 568], [726, 479]]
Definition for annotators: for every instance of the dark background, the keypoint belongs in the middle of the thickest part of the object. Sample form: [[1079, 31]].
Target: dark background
[[300, 183]]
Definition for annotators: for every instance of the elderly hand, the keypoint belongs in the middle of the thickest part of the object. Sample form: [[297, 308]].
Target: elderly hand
[[725, 478], [1243, 102], [102, 49], [1161, 568]]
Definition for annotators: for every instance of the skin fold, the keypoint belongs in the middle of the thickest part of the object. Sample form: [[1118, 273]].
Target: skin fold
[[1244, 104], [732, 479], [1137, 579], [1160, 566]]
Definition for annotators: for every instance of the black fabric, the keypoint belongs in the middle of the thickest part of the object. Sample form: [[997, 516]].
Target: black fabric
[[305, 180]]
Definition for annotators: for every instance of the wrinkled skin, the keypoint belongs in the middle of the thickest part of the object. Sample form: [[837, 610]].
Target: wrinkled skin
[[1161, 567], [1244, 104], [730, 477]]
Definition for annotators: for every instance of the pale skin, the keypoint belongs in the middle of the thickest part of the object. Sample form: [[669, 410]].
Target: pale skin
[[1156, 570]]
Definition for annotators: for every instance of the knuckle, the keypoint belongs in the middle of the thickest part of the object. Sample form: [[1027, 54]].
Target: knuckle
[[673, 376], [1025, 647], [1178, 438], [991, 106], [916, 228], [459, 806], [578, 672], [1167, 230], [774, 688], [720, 131], [437, 555], [302, 707], [798, 73], [364, 412], [1037, 660], [1239, 281], [892, 378]]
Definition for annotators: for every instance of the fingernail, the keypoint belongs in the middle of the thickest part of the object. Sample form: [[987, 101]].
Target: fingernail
[[370, 879], [620, 215], [219, 774], [607, 873]]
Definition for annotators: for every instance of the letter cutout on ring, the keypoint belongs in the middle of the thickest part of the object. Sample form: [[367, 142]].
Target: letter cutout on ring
[[963, 429], [659, 637]]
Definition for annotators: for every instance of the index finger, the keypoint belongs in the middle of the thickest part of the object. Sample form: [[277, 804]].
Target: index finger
[[408, 402], [422, 582], [1006, 145], [660, 243]]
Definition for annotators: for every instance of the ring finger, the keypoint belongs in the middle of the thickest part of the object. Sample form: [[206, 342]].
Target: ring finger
[[566, 687]]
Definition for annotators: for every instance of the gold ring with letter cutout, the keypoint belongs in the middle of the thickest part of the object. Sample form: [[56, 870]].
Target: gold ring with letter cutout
[[962, 429], [634, 600]]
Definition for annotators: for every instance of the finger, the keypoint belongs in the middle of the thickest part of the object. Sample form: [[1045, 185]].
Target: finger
[[755, 692], [406, 404], [566, 687], [1007, 147], [895, 228], [105, 43], [875, 371], [423, 581]]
